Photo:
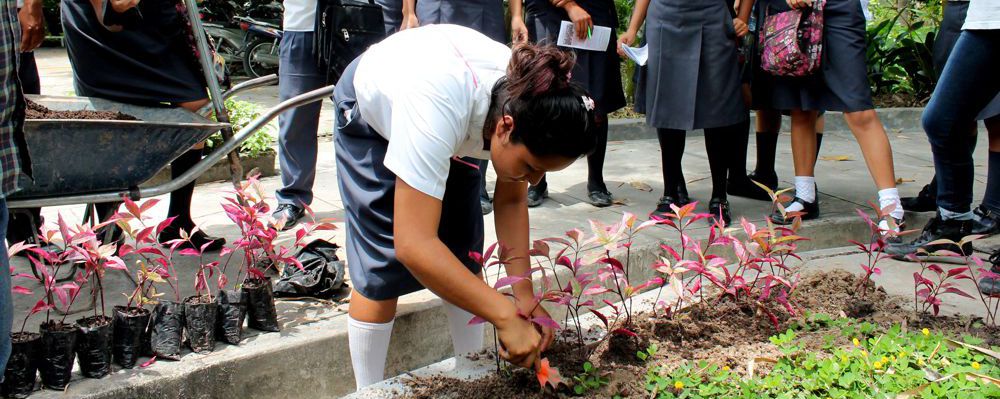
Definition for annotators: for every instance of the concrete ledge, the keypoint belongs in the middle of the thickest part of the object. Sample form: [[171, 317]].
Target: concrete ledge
[[220, 171]]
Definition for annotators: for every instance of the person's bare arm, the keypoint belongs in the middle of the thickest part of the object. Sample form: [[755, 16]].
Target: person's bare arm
[[635, 23], [518, 30], [418, 247], [510, 211], [32, 25], [409, 15]]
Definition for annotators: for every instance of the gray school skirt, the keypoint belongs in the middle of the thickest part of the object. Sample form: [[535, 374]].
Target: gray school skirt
[[367, 189], [841, 84], [485, 16], [951, 28]]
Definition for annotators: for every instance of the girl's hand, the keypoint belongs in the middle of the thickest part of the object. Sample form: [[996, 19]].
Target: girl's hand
[[741, 27], [520, 342], [799, 3], [626, 39], [518, 31], [581, 20], [548, 334]]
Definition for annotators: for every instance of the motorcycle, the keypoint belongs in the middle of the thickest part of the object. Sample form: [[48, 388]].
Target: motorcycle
[[232, 35], [260, 54]]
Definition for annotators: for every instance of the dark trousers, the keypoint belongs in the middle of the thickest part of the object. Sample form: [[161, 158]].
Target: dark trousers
[[6, 302], [297, 127], [967, 84], [19, 227]]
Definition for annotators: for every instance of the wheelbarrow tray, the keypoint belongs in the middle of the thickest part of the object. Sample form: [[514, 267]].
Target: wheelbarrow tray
[[76, 156]]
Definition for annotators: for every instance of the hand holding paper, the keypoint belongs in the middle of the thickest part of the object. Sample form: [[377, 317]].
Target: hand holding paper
[[597, 40]]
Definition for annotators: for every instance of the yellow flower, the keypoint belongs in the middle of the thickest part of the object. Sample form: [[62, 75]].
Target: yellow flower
[[902, 354], [856, 342], [678, 385], [884, 359], [920, 362], [877, 365], [726, 368], [976, 365], [926, 332], [864, 352]]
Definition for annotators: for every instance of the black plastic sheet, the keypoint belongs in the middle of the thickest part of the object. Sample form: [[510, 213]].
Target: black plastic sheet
[[93, 346], [232, 314], [22, 367], [128, 331], [167, 326], [58, 353], [261, 314], [199, 325]]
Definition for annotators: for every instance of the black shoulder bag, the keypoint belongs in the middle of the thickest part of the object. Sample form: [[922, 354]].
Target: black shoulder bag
[[344, 30]]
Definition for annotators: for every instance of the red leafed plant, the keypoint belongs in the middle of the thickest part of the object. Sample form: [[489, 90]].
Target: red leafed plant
[[933, 282], [47, 261], [154, 264], [96, 257], [251, 214]]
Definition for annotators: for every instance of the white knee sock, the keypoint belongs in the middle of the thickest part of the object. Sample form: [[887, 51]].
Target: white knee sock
[[805, 189], [464, 338], [369, 344], [890, 196]]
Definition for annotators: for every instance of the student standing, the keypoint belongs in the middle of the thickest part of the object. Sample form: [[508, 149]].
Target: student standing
[[486, 17], [297, 127], [968, 83], [693, 83], [407, 109], [986, 217], [840, 84], [598, 71]]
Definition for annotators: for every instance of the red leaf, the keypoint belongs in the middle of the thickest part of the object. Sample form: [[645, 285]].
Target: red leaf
[[40, 306], [958, 270], [956, 291], [604, 319], [20, 290], [223, 280], [505, 281], [615, 263], [546, 322], [148, 362], [190, 252], [476, 320], [256, 274], [624, 331], [548, 375]]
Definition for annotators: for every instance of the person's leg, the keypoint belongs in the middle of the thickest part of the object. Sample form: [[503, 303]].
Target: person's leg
[[19, 224], [991, 199], [804, 155], [484, 195], [597, 191], [297, 127], [820, 126], [874, 142], [465, 338], [671, 152], [967, 84], [719, 149], [6, 302], [768, 126], [369, 329]]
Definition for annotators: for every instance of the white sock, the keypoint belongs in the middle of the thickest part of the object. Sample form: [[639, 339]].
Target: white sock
[[369, 344], [888, 197], [464, 338], [805, 189]]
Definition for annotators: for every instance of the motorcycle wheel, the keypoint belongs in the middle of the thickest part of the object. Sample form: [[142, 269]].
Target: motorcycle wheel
[[261, 57]]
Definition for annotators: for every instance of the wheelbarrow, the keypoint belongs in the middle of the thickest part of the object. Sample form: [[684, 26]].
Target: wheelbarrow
[[98, 161]]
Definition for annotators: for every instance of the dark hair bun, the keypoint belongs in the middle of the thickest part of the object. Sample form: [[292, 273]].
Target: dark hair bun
[[537, 69]]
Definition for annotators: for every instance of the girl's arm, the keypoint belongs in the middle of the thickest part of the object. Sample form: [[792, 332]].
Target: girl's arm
[[638, 18], [418, 246], [518, 31], [409, 15]]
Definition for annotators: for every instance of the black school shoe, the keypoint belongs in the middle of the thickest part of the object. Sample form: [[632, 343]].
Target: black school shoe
[[663, 206], [601, 198], [745, 188], [486, 204], [770, 180], [290, 213], [537, 195], [985, 221], [925, 201], [810, 211], [936, 229], [990, 286], [198, 239], [682, 196], [720, 207]]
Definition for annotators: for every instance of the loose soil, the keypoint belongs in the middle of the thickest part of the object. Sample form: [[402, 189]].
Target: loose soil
[[199, 300], [886, 100], [132, 311], [726, 333], [37, 111], [54, 326], [22, 337], [94, 321]]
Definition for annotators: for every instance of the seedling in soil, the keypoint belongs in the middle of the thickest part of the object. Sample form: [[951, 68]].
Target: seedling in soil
[[591, 379]]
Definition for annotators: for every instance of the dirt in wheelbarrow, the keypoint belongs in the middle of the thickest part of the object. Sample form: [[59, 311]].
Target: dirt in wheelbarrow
[[38, 111]]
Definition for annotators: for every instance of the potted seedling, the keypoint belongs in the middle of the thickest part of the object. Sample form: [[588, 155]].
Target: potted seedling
[[163, 332], [200, 309], [94, 342], [22, 365]]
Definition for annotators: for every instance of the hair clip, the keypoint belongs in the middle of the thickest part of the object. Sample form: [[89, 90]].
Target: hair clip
[[588, 103]]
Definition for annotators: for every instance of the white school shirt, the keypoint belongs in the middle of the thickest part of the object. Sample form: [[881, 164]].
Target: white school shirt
[[983, 15], [299, 15], [427, 90]]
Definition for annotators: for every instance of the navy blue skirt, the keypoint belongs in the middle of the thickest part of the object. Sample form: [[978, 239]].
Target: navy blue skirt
[[485, 16], [841, 84], [599, 72], [367, 189]]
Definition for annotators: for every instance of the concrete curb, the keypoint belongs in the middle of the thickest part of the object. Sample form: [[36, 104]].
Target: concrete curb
[[894, 119], [312, 359]]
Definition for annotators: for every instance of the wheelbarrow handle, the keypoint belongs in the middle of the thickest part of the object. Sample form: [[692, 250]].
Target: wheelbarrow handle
[[247, 85]]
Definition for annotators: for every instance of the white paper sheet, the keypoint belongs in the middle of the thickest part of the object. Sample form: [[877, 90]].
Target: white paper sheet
[[598, 40], [637, 54]]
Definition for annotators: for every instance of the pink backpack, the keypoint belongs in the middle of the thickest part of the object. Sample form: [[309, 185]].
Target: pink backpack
[[792, 41]]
